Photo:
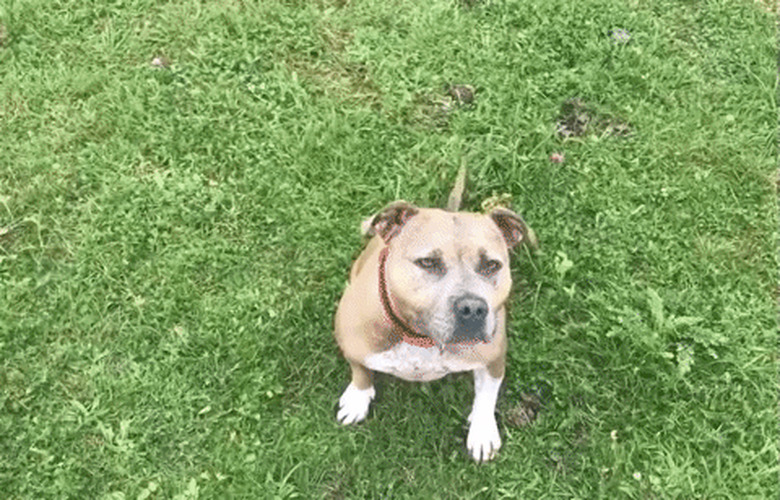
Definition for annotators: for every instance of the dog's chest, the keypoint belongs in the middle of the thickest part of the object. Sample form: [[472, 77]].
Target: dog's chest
[[417, 364]]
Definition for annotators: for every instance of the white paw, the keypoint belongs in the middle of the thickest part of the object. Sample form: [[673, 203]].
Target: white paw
[[353, 404], [483, 441]]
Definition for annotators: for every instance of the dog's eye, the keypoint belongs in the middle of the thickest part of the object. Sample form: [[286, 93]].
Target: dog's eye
[[431, 264], [489, 267]]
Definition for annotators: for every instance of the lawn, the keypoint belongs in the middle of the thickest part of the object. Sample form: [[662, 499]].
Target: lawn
[[181, 190]]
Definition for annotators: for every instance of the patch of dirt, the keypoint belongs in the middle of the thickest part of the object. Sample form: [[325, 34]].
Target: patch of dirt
[[578, 118], [463, 95], [4, 38], [524, 412], [435, 109]]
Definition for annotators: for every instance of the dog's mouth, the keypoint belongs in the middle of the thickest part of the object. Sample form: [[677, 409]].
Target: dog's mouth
[[452, 344], [451, 331], [458, 341]]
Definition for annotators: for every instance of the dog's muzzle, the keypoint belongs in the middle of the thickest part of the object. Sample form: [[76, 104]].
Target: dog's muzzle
[[470, 314]]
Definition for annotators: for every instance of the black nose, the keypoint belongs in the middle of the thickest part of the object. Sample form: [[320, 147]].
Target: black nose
[[470, 313], [470, 308]]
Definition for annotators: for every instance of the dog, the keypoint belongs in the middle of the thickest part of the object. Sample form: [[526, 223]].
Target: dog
[[425, 298]]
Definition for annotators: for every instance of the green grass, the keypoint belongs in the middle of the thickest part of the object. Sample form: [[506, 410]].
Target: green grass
[[173, 242]]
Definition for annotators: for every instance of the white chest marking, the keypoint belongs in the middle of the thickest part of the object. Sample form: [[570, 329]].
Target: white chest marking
[[417, 364]]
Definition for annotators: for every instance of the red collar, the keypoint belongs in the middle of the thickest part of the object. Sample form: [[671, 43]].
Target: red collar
[[407, 334]]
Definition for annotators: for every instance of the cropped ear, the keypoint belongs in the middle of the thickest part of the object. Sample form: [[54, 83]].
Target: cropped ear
[[388, 222], [514, 228]]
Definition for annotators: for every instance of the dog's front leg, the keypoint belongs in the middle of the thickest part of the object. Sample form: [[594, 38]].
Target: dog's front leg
[[483, 440], [354, 402]]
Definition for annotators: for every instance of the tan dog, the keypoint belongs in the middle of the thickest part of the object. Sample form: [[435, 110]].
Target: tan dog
[[426, 298]]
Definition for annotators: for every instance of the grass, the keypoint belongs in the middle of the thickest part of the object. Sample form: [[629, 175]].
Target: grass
[[173, 241]]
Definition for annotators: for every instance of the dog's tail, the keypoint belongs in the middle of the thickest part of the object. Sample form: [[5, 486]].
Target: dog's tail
[[456, 195]]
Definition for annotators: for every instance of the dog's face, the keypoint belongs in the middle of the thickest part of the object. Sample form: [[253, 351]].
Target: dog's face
[[448, 273]]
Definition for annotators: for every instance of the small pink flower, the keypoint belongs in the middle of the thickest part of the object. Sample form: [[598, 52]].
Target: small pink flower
[[557, 157]]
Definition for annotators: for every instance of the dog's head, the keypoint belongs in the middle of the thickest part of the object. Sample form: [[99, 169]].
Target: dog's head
[[448, 272]]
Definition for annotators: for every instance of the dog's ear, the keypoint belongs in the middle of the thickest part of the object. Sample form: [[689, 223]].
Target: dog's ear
[[514, 228], [390, 220]]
